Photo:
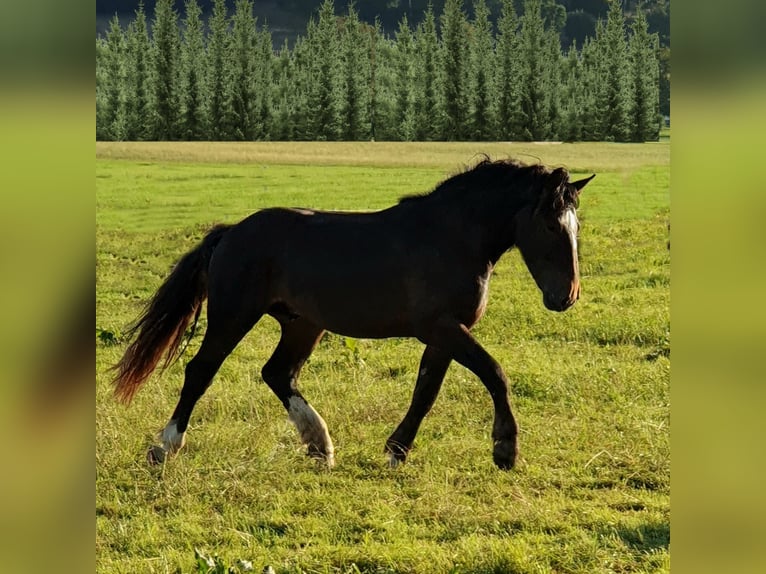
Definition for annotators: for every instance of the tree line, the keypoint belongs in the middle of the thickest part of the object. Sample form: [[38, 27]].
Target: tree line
[[450, 78]]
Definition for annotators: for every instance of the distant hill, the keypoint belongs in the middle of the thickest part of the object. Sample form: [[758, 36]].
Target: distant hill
[[288, 18]]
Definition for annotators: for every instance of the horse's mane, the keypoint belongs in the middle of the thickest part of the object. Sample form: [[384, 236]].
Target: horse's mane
[[513, 176]]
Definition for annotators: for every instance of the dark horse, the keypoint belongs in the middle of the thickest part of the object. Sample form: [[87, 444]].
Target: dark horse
[[417, 269]]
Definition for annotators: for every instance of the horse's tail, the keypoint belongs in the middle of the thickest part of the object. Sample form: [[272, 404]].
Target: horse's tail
[[162, 325]]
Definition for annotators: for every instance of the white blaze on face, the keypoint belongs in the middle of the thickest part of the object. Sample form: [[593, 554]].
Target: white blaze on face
[[569, 222]]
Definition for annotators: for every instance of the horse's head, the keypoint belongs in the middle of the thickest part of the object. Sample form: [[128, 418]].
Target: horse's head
[[546, 235]]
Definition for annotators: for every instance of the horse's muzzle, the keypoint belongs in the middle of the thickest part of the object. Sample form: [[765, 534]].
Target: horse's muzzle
[[553, 303]]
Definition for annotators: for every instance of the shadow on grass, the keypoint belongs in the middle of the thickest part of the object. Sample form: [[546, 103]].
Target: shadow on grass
[[646, 537]]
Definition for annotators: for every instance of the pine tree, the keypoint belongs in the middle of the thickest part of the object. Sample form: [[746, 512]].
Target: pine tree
[[428, 111], [386, 75], [138, 103], [325, 99], [613, 99], [644, 105], [508, 99], [405, 81], [217, 69], [114, 109], [356, 72], [534, 96], [554, 78], [571, 129], [193, 86], [241, 78], [454, 40], [302, 84], [264, 85], [284, 96], [589, 88], [376, 42], [482, 81], [166, 68]]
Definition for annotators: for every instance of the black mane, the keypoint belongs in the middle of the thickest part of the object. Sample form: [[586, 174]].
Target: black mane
[[525, 181]]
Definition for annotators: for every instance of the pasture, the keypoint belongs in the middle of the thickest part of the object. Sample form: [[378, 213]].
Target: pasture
[[590, 387]]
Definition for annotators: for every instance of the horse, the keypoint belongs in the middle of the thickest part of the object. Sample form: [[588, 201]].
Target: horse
[[420, 268]]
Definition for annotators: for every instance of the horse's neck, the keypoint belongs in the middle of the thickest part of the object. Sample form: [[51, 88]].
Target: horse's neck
[[493, 223], [487, 229]]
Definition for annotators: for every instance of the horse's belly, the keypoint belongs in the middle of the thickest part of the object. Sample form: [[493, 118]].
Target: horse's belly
[[357, 312], [368, 329]]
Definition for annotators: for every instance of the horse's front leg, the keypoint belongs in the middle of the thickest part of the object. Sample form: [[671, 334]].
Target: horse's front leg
[[433, 366], [456, 340]]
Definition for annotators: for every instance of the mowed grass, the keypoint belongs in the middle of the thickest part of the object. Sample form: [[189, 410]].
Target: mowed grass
[[590, 387]]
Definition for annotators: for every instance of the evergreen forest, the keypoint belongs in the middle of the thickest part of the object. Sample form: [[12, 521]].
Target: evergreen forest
[[451, 77]]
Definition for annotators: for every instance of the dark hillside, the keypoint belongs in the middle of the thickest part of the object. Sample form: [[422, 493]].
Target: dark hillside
[[288, 18]]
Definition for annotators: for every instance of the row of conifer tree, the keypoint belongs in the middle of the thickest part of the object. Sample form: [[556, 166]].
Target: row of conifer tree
[[449, 78]]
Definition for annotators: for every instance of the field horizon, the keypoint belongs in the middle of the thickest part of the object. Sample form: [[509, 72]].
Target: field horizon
[[590, 387]]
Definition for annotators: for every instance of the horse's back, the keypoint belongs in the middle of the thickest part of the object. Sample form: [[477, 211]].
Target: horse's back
[[322, 237], [344, 271]]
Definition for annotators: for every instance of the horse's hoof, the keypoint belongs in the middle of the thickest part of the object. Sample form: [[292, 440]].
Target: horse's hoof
[[396, 454], [504, 454], [325, 459], [324, 462], [156, 455], [394, 461]]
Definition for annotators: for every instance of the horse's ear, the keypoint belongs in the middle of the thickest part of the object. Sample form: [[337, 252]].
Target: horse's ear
[[557, 177], [580, 183]]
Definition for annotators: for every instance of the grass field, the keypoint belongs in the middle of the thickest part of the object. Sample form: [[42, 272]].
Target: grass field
[[590, 387]]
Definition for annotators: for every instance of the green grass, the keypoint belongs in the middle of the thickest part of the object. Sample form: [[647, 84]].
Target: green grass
[[590, 387]]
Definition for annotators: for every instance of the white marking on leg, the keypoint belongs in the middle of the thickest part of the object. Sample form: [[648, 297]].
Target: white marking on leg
[[423, 372], [172, 440], [311, 427]]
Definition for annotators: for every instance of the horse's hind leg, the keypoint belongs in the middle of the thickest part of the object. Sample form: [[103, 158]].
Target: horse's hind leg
[[299, 337], [226, 328], [433, 367]]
